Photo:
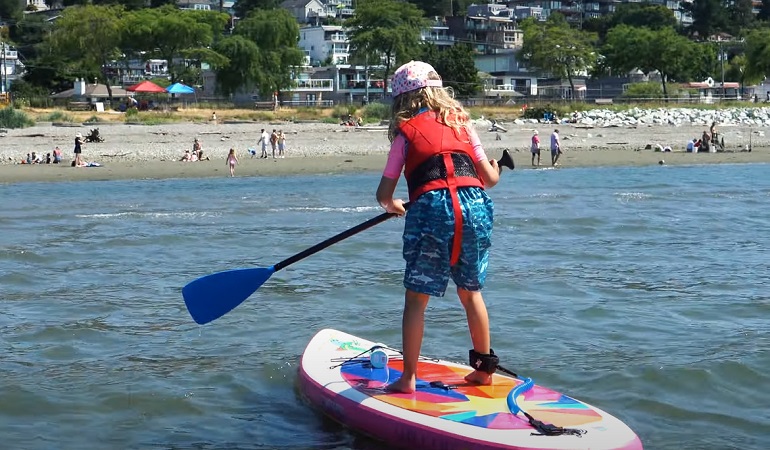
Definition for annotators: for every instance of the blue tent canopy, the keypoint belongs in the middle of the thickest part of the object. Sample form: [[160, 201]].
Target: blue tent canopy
[[179, 88]]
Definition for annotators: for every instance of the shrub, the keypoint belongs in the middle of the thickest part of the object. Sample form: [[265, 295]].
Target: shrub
[[647, 90], [12, 118], [94, 119], [57, 116], [538, 111], [341, 111], [377, 111]]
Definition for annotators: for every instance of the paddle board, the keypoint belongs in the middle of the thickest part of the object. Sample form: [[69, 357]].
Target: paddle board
[[337, 376]]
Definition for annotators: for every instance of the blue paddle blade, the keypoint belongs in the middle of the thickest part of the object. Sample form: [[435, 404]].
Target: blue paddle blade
[[212, 296]]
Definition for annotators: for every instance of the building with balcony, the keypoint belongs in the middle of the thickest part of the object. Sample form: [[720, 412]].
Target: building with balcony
[[325, 44], [438, 34], [506, 74], [132, 71], [487, 28], [341, 9], [11, 68], [306, 11]]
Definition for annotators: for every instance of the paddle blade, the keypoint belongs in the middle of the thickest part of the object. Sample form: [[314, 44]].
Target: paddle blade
[[212, 296]]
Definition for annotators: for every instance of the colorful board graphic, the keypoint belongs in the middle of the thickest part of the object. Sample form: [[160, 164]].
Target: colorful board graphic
[[445, 412]]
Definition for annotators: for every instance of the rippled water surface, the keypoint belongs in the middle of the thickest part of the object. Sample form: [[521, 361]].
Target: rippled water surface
[[643, 291]]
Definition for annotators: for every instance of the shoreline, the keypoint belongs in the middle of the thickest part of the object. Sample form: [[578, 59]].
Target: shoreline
[[152, 151]]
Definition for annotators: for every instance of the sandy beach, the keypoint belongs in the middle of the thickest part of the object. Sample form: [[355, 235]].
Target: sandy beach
[[153, 151]]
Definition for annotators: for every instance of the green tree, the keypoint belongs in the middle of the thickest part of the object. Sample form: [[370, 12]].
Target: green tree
[[740, 16], [387, 27], [276, 34], [456, 67], [554, 47], [708, 17], [671, 55], [242, 67], [764, 11], [89, 36], [647, 15], [758, 54], [178, 36], [244, 7], [11, 10]]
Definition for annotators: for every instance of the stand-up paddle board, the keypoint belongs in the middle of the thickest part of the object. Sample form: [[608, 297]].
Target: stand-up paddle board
[[345, 377]]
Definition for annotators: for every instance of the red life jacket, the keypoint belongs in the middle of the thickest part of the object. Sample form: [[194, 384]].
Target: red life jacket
[[438, 157]]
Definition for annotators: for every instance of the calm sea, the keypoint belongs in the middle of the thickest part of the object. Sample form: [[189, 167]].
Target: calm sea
[[643, 291]]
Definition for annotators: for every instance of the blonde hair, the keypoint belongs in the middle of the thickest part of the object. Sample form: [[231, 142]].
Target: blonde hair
[[232, 151], [437, 99]]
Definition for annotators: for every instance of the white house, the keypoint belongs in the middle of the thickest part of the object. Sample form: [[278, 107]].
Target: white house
[[325, 44], [306, 11], [11, 68]]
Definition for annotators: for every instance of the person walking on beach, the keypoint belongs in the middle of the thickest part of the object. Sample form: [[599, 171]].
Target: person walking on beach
[[555, 148], [232, 160], [281, 143], [78, 149], [448, 228], [263, 139], [535, 148], [273, 141]]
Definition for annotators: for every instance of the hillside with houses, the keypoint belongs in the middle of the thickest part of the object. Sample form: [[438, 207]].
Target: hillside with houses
[[328, 52]]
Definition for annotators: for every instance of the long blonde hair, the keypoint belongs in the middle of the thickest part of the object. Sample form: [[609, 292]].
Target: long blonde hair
[[437, 99]]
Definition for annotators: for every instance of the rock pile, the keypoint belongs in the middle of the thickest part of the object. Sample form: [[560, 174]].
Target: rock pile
[[668, 116]]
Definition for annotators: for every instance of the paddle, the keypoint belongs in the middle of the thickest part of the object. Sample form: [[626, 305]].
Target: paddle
[[212, 296]]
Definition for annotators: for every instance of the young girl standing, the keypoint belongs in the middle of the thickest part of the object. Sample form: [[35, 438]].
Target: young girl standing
[[447, 232], [232, 160]]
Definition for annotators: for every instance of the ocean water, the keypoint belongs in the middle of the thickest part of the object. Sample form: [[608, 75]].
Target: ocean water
[[643, 291]]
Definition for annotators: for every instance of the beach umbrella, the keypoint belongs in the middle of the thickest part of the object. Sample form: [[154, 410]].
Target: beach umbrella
[[147, 87], [179, 88]]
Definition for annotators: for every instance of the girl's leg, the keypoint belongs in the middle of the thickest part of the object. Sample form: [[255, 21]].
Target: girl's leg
[[478, 325], [412, 326]]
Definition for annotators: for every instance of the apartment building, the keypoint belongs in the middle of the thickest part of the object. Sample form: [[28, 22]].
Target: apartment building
[[487, 28], [324, 44]]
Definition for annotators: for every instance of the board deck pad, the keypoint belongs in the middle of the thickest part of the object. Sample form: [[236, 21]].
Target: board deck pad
[[338, 378]]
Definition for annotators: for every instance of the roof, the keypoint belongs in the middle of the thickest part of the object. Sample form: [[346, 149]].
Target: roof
[[295, 3], [94, 91]]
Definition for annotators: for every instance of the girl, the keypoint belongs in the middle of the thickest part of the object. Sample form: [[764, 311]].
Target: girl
[[535, 148], [78, 149], [281, 143], [232, 160], [448, 229]]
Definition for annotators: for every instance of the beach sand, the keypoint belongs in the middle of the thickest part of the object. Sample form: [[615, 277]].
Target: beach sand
[[152, 152]]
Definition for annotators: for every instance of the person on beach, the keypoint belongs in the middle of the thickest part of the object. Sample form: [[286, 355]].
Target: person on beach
[[555, 148], [78, 150], [232, 160], [281, 143], [273, 141], [535, 148], [263, 139], [56, 155], [196, 148], [447, 232]]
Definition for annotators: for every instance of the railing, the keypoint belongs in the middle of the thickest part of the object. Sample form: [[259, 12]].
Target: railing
[[321, 84], [308, 103], [361, 85]]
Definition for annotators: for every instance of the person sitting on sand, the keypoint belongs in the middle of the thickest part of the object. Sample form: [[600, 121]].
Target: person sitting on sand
[[201, 157], [691, 145], [186, 156], [56, 155]]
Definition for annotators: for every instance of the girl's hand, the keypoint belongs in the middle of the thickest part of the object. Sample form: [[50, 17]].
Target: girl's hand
[[396, 207]]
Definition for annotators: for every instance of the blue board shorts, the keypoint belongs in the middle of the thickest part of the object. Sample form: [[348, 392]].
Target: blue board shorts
[[428, 238]]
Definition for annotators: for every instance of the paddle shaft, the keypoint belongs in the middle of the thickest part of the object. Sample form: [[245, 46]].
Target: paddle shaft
[[334, 239], [505, 161]]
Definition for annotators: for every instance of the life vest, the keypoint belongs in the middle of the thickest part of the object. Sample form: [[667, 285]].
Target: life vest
[[438, 157]]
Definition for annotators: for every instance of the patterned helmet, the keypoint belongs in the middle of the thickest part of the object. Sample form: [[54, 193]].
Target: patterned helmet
[[412, 76]]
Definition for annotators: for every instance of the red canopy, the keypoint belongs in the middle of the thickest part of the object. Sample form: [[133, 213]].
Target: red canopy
[[146, 86]]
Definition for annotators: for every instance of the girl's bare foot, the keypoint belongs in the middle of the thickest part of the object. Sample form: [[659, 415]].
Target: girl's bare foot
[[477, 377], [403, 385]]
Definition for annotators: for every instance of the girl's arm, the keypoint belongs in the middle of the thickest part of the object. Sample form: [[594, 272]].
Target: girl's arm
[[488, 171], [385, 192]]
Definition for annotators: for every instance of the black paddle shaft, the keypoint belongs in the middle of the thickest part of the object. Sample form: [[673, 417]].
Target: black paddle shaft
[[505, 161]]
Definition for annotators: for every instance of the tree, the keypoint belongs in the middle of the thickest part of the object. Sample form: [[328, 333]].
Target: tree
[[708, 17], [387, 27], [740, 16], [456, 67], [758, 54], [172, 34], [11, 9], [242, 66], [89, 36], [276, 34], [647, 15], [244, 7], [556, 48], [764, 11], [671, 55]]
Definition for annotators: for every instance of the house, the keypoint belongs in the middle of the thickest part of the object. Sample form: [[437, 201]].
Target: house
[[488, 28], [341, 9], [87, 92], [506, 74], [438, 34], [709, 91], [306, 11], [11, 68], [325, 44]]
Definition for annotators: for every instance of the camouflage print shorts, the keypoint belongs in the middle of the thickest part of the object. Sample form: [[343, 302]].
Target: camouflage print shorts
[[428, 237]]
